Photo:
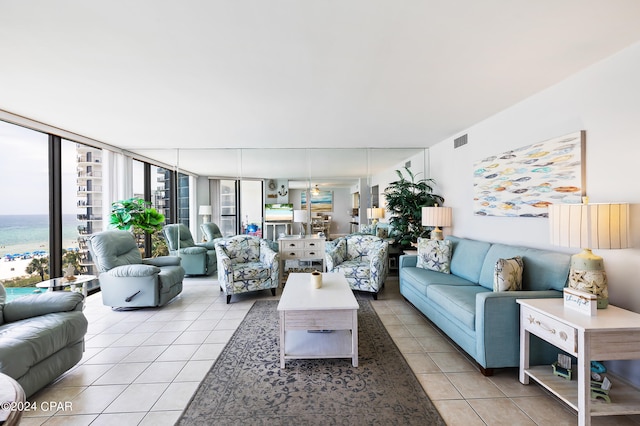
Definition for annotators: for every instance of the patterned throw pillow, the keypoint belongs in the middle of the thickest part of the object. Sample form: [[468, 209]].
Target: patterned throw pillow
[[382, 232], [434, 255], [508, 274]]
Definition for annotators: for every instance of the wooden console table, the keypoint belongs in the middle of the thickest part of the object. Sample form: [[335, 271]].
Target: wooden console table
[[614, 334]]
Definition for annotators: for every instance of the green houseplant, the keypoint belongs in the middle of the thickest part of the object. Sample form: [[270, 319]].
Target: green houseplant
[[138, 216], [405, 198]]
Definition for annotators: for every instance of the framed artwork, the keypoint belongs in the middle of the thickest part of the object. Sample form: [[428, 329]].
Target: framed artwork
[[322, 202], [525, 181]]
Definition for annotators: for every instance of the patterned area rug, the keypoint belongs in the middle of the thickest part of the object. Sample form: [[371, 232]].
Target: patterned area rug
[[247, 386]]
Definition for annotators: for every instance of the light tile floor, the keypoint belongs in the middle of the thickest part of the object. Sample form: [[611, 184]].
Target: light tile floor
[[142, 367]]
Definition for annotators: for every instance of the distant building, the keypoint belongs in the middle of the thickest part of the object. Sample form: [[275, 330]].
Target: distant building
[[90, 217]]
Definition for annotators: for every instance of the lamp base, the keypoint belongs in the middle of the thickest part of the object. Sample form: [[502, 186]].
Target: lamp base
[[437, 234], [587, 274]]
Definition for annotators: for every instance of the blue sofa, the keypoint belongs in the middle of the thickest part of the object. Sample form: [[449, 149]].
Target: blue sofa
[[484, 323]]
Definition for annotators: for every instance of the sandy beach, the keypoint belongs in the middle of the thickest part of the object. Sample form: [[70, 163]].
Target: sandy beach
[[16, 268], [13, 269]]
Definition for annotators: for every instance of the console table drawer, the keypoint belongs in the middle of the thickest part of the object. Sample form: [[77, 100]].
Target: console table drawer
[[318, 245], [313, 254], [553, 331], [287, 245], [289, 253]]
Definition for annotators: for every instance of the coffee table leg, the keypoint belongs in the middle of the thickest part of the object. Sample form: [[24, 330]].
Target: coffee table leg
[[354, 339], [282, 326]]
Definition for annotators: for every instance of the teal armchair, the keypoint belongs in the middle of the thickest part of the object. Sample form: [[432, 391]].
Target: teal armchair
[[197, 258], [126, 279], [211, 232]]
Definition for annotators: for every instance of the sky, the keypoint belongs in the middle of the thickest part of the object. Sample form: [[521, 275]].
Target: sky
[[24, 172]]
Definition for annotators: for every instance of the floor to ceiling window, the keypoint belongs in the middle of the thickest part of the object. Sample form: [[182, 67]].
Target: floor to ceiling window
[[24, 211]]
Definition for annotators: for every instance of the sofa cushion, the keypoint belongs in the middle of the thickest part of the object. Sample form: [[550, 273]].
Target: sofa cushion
[[543, 269], [508, 274], [422, 278], [434, 255], [27, 342], [458, 301], [468, 257]]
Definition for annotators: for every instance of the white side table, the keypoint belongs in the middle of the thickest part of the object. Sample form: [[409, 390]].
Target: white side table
[[614, 334]]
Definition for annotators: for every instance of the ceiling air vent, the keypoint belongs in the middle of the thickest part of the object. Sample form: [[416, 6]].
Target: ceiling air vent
[[458, 142]]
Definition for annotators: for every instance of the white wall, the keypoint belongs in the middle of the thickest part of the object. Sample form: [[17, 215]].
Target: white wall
[[604, 101]]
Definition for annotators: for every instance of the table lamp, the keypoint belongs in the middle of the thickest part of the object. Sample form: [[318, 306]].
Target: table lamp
[[589, 226], [436, 216], [205, 212], [375, 213], [300, 216]]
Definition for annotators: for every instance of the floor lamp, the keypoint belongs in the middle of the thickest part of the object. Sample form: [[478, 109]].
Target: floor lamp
[[589, 226], [205, 212]]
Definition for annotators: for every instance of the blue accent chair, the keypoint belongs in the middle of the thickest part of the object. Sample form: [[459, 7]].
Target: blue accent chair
[[362, 259], [126, 279], [246, 263]]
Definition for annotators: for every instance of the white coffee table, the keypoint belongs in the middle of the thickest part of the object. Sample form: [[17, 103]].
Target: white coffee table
[[318, 323]]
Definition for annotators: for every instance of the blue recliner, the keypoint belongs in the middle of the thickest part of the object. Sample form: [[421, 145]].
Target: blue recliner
[[126, 279], [197, 258], [211, 232]]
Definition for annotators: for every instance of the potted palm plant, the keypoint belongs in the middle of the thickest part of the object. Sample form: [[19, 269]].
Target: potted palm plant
[[138, 216], [405, 198]]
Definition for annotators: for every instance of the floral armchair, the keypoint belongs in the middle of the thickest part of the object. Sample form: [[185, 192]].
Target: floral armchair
[[363, 259], [246, 263]]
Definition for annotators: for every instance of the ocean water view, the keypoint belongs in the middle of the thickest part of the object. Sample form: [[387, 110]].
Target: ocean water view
[[28, 233]]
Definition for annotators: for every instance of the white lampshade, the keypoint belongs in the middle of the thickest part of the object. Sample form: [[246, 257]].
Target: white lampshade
[[300, 216], [375, 213], [593, 226], [436, 216], [587, 226], [205, 210]]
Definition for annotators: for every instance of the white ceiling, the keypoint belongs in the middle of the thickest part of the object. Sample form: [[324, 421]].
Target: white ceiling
[[150, 75]]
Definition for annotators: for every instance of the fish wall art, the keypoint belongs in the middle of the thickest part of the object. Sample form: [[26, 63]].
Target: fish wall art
[[525, 181]]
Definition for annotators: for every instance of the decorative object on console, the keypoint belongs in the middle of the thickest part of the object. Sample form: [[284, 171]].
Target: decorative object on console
[[375, 213], [587, 226], [205, 212], [300, 216], [517, 182], [436, 216], [562, 367]]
